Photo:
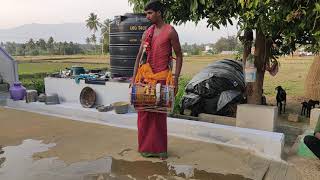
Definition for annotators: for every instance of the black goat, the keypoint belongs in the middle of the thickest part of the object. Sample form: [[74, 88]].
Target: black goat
[[304, 108], [307, 106], [281, 99], [313, 103]]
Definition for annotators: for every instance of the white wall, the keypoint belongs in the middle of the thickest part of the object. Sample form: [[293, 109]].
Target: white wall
[[69, 92], [8, 67]]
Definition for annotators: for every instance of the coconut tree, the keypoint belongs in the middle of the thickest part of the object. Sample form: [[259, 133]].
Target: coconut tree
[[88, 40], [93, 24], [93, 39], [105, 30]]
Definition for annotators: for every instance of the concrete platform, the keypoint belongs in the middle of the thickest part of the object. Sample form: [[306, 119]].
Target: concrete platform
[[262, 143], [257, 117]]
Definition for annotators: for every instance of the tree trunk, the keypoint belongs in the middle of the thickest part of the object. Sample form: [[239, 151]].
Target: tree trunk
[[247, 45], [248, 38], [102, 47], [261, 56]]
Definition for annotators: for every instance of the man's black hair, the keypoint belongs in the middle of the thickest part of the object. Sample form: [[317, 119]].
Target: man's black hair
[[155, 5]]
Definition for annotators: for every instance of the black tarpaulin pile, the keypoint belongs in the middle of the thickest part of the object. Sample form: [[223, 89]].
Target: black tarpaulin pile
[[216, 89]]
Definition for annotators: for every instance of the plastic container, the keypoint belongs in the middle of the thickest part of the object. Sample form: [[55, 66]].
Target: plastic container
[[250, 74], [77, 70], [17, 91], [121, 107]]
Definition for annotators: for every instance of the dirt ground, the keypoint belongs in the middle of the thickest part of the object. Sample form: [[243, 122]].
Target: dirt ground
[[78, 141]]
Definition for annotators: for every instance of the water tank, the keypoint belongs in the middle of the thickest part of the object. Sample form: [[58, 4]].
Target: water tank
[[125, 39]]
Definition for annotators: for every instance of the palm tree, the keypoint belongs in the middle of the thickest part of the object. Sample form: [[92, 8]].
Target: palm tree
[[93, 22], [88, 40], [105, 30], [94, 41]]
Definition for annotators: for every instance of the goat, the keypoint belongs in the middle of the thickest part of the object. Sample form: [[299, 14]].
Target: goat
[[304, 108], [313, 103], [307, 106], [281, 99]]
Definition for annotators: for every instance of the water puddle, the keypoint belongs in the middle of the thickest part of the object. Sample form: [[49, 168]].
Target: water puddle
[[16, 163]]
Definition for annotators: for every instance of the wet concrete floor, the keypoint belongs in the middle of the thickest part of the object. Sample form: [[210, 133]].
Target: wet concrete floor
[[18, 163]]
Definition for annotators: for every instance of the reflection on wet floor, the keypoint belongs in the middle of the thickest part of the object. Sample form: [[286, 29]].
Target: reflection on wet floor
[[2, 159], [16, 163]]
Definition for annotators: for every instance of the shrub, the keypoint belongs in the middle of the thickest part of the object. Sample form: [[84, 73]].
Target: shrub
[[183, 81]]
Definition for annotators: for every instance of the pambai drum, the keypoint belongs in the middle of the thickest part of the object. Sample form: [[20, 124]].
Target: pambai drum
[[152, 98]]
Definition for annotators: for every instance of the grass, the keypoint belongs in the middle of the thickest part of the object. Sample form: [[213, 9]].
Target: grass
[[194, 64], [292, 73], [32, 69], [183, 81], [49, 67], [65, 59], [291, 76]]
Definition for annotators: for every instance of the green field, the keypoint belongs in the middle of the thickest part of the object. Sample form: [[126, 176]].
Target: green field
[[49, 67], [291, 76]]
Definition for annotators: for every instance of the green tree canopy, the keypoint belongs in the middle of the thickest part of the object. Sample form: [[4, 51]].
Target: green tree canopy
[[280, 26]]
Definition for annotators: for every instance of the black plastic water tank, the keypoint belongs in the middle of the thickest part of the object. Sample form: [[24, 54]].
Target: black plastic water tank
[[125, 39]]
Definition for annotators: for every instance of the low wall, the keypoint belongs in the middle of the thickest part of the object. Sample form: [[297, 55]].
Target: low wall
[[263, 143], [69, 92], [230, 121]]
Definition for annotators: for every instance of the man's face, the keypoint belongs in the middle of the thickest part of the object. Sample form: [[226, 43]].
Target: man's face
[[152, 15]]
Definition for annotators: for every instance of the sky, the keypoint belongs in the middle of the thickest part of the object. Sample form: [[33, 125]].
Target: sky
[[14, 13]]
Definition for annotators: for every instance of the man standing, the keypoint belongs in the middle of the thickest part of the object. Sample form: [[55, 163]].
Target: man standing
[[161, 38]]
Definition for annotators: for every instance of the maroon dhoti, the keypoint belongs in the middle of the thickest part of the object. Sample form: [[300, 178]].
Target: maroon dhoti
[[152, 133]]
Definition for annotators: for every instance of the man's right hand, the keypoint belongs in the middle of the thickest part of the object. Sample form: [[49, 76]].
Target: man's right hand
[[131, 84]]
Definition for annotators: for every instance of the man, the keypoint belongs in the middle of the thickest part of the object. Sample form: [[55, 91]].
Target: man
[[152, 127], [313, 142]]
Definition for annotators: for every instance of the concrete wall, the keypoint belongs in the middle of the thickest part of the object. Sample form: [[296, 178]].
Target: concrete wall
[[266, 144], [8, 67], [69, 92], [314, 116], [257, 117], [230, 121]]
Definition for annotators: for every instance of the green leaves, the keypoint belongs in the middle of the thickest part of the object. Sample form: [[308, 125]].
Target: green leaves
[[317, 7], [250, 3], [242, 3], [286, 24], [194, 6]]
